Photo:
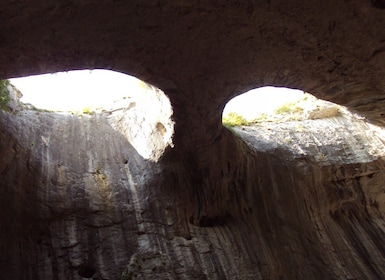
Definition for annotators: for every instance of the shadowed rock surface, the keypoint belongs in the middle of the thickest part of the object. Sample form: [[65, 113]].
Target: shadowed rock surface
[[78, 200]]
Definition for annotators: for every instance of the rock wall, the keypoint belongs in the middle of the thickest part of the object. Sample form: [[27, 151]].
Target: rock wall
[[78, 201]]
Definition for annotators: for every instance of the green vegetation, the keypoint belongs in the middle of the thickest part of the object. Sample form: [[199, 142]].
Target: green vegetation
[[233, 119], [263, 117], [289, 111], [4, 94], [300, 128], [87, 111], [84, 111], [289, 108]]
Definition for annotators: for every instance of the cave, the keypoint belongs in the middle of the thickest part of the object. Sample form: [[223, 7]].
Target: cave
[[207, 205]]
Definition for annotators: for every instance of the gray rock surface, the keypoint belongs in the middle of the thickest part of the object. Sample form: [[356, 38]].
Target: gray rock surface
[[78, 200]]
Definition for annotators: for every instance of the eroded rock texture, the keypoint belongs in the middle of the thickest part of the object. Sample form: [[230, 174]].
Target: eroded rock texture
[[77, 200]]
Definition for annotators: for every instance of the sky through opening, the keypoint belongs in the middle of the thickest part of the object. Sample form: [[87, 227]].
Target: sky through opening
[[76, 90]]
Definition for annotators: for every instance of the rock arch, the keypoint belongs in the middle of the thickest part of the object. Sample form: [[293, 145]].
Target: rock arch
[[213, 207]]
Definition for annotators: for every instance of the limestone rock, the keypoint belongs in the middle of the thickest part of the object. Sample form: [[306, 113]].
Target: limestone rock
[[98, 209], [78, 200], [323, 111]]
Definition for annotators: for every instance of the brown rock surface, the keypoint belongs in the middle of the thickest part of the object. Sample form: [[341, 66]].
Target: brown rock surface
[[77, 200]]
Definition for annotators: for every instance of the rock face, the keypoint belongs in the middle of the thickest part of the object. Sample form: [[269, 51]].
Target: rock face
[[79, 201], [297, 200]]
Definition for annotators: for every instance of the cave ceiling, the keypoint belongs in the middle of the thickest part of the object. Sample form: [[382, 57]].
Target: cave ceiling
[[206, 52]]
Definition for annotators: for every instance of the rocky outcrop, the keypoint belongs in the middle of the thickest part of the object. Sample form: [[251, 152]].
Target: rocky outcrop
[[77, 200]]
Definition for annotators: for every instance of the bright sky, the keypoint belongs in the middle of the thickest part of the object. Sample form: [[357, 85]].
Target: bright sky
[[76, 90], [261, 100]]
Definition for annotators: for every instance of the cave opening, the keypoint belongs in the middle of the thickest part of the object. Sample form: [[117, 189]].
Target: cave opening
[[134, 109], [78, 90], [262, 99], [92, 163], [303, 126], [269, 104]]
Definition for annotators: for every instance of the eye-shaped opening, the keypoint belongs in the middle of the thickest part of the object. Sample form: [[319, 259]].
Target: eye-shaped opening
[[139, 111], [307, 127]]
